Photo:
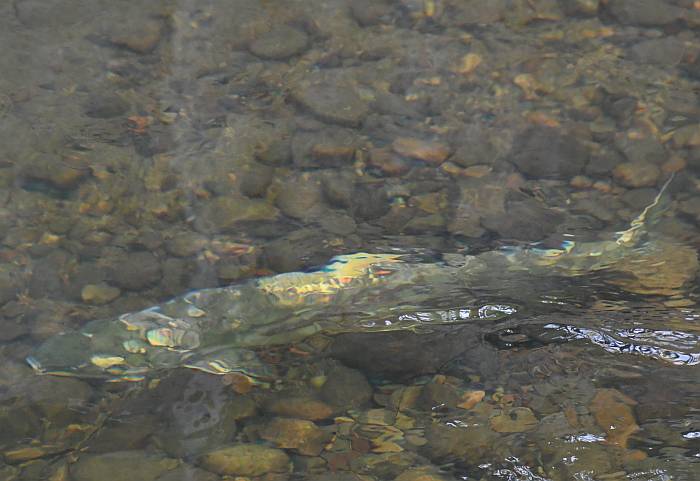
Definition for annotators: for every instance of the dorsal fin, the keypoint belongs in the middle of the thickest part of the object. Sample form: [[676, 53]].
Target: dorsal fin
[[638, 227]]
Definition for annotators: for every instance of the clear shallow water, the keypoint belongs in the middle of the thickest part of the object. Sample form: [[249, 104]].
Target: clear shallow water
[[150, 150]]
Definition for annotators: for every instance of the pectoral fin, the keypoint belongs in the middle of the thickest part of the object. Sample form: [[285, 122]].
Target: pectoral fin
[[226, 360]]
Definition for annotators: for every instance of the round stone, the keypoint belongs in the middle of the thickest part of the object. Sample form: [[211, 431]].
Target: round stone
[[280, 43]]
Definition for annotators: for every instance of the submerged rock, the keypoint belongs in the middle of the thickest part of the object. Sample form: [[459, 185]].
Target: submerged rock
[[57, 398], [513, 420], [280, 43], [447, 443], [140, 35], [647, 13], [136, 270], [332, 102], [526, 219], [300, 407], [332, 146], [346, 388], [99, 293], [246, 460], [301, 435], [199, 412], [667, 270], [438, 395], [52, 173], [421, 474], [122, 466], [106, 106], [428, 151], [613, 413], [9, 283], [300, 197], [636, 174], [545, 152], [224, 214], [188, 473], [133, 434]]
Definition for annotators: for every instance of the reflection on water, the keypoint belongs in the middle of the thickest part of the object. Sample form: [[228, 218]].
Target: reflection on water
[[524, 174], [631, 341]]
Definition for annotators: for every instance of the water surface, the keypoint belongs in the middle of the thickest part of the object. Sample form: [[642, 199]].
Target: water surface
[[149, 149]]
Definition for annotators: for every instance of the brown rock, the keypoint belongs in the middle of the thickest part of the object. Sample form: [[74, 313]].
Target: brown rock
[[687, 136], [99, 293], [427, 151], [513, 420], [122, 466], [301, 435], [470, 399], [663, 269], [246, 460], [141, 38], [636, 174], [613, 413], [329, 147], [300, 407], [420, 474], [388, 162]]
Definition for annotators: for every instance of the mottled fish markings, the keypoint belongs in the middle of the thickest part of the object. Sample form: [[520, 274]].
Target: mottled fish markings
[[342, 272]]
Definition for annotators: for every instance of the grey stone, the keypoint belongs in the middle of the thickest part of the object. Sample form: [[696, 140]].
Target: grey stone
[[198, 414], [543, 152], [603, 161], [346, 388], [10, 283], [57, 399], [525, 220], [140, 34], [280, 43], [331, 101], [435, 395], [105, 106], [188, 473], [277, 151], [53, 174], [300, 197], [647, 13], [185, 244], [474, 147], [129, 434], [256, 180], [666, 51], [298, 250], [449, 444], [370, 202], [475, 12], [37, 14], [156, 140], [369, 12], [338, 188], [136, 270]]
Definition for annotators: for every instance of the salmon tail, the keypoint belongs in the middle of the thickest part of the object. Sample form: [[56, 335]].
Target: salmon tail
[[650, 215]]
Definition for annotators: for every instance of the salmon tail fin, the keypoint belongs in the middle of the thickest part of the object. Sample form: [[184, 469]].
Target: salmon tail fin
[[638, 228]]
